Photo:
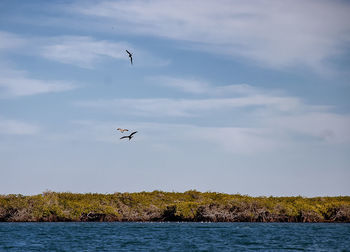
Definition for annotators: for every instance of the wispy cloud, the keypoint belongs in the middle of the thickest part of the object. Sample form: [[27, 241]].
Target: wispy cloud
[[267, 118], [272, 33], [82, 51], [263, 137], [211, 98], [230, 139], [16, 83], [87, 52], [188, 107], [324, 126], [200, 87], [239, 113], [185, 85], [15, 127], [10, 40]]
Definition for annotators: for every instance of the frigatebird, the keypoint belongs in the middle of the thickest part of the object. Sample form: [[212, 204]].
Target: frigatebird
[[130, 56], [130, 136], [122, 130]]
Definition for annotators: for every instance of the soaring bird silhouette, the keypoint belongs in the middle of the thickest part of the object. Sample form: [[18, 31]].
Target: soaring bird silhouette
[[130, 56], [130, 136], [122, 130]]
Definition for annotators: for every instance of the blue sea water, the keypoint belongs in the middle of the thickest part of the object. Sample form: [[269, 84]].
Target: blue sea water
[[174, 236]]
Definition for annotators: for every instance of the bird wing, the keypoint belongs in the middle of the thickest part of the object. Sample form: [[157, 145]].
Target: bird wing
[[124, 137], [128, 52], [131, 60], [133, 133]]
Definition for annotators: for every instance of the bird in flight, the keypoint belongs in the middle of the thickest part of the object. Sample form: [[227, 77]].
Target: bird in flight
[[130, 56], [130, 136], [122, 130]]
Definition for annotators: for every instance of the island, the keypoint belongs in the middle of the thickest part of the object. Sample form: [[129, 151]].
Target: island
[[159, 206]]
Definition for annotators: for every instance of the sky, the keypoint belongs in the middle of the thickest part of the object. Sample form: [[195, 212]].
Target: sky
[[248, 97]]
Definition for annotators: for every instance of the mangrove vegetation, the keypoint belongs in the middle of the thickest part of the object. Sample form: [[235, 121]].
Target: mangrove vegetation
[[171, 206]]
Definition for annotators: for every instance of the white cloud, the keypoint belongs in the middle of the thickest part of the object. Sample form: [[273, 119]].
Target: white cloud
[[10, 41], [326, 126], [218, 98], [16, 83], [240, 140], [262, 119], [200, 87], [266, 135], [263, 137], [82, 51], [231, 139], [86, 52], [272, 33], [186, 85], [15, 127], [189, 107], [270, 121]]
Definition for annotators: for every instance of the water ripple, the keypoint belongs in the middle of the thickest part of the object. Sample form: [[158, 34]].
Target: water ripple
[[174, 236]]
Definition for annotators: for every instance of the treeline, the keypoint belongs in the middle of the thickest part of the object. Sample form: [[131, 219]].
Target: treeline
[[171, 206]]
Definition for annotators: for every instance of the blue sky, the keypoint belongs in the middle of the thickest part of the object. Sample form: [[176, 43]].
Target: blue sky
[[235, 97]]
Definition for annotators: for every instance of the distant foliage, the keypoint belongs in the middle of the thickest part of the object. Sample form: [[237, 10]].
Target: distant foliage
[[170, 206]]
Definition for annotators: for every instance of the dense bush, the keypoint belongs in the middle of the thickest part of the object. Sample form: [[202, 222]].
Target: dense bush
[[165, 206]]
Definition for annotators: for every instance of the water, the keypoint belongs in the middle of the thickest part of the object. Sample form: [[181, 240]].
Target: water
[[174, 236]]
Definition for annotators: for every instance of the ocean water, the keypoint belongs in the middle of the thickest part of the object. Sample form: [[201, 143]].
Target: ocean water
[[174, 236]]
